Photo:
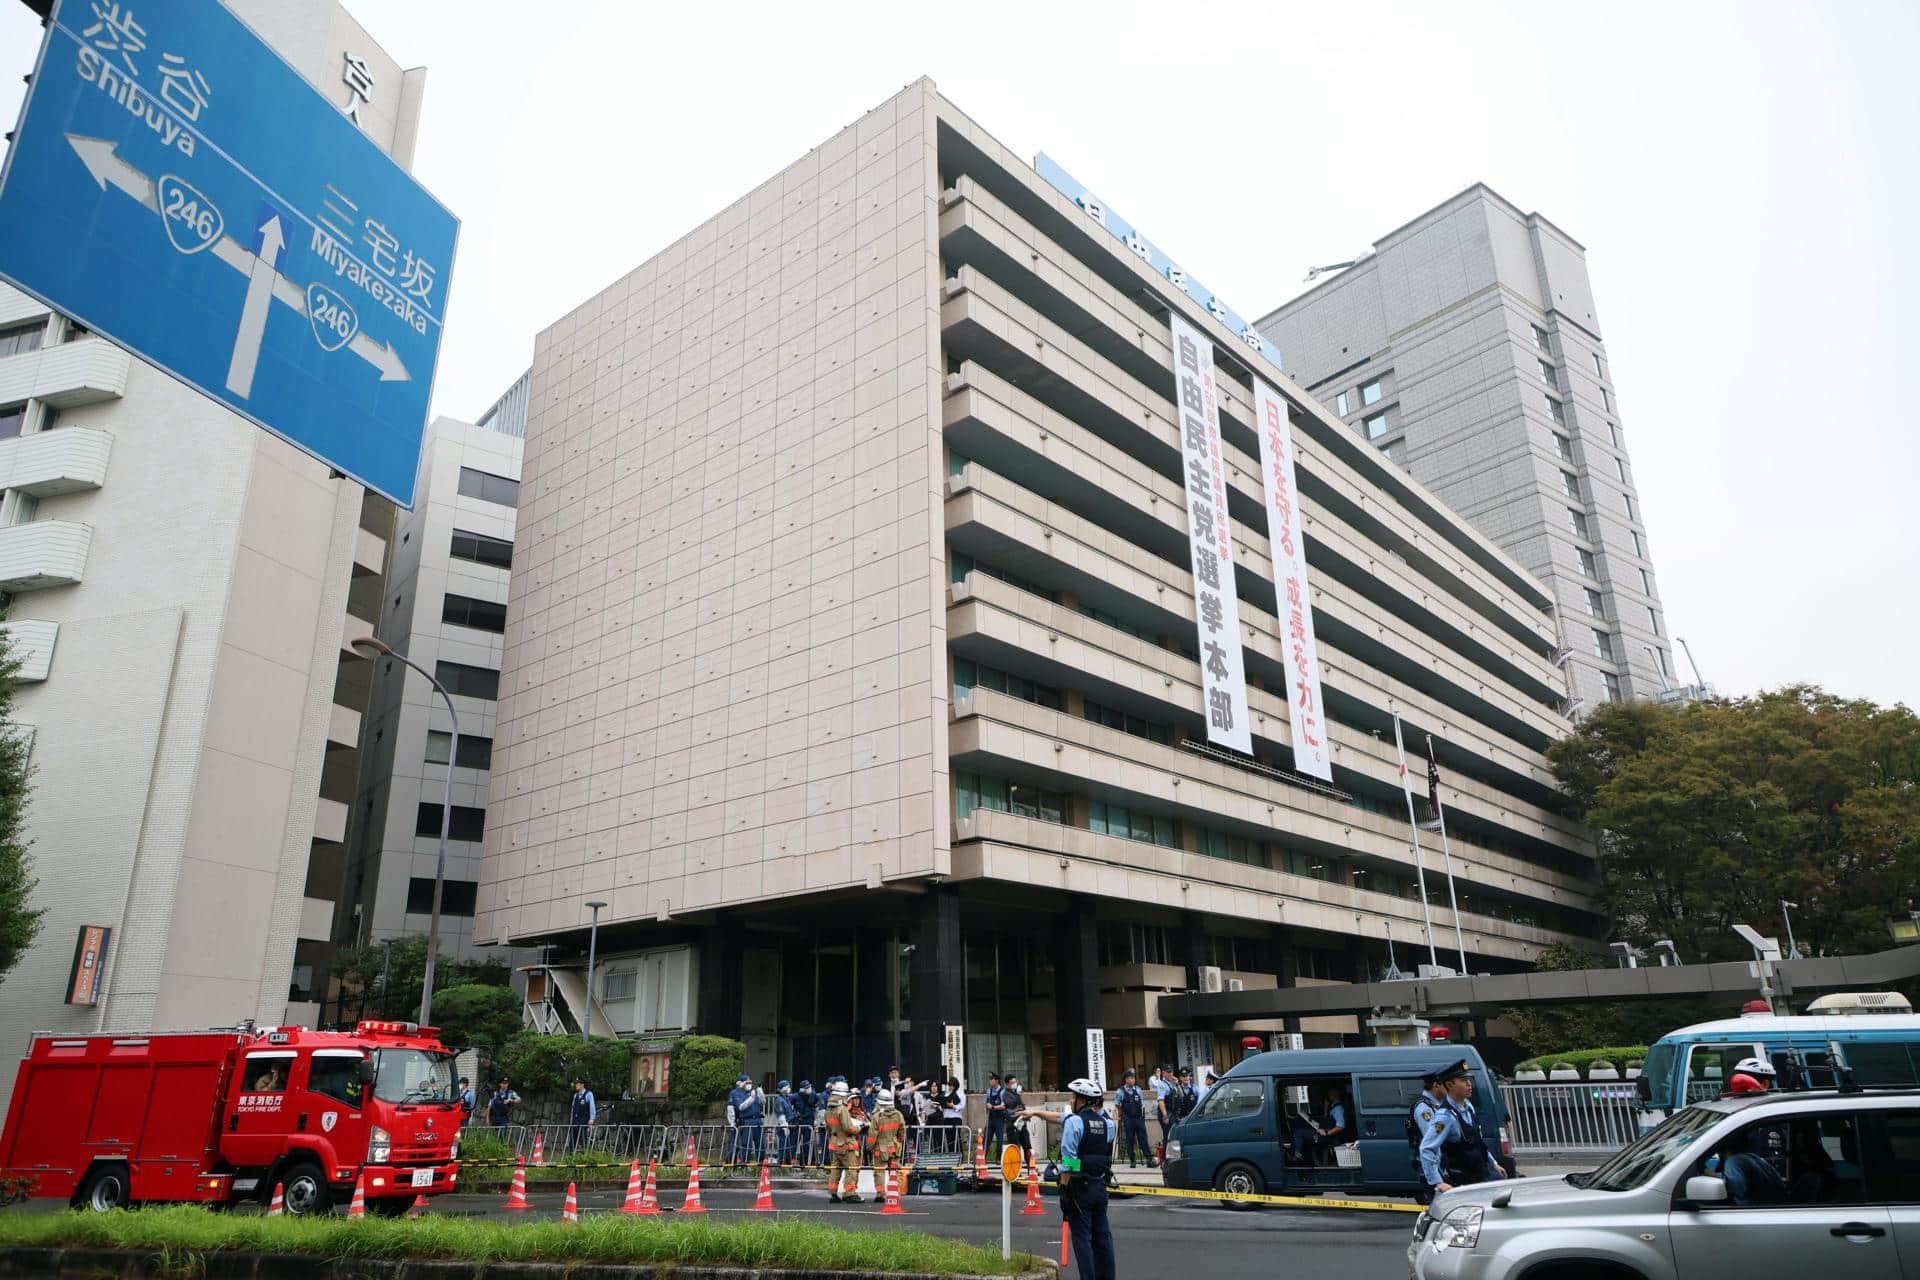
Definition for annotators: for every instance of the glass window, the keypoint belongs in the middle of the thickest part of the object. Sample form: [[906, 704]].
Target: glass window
[[1710, 1066], [268, 1072], [1547, 375], [1138, 726], [1342, 404], [466, 823], [1896, 1171], [1639, 547], [1817, 1159], [1130, 824], [1626, 502], [412, 1075], [620, 984], [1232, 1098], [1577, 522], [1563, 445], [470, 682], [1612, 682], [481, 549], [1666, 666], [1646, 583], [1394, 452], [1570, 484], [1312, 865], [1588, 564], [1613, 433], [488, 487], [1394, 1093], [1654, 1150], [1556, 410], [973, 675], [1602, 645], [1376, 426], [481, 615], [1653, 620], [1370, 394], [1606, 400], [1596, 605], [475, 752], [457, 897], [1598, 371], [1882, 1063], [336, 1075], [17, 339], [1218, 844], [13, 419], [1541, 340]]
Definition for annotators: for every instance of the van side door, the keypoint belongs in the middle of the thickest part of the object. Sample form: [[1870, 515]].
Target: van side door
[[1383, 1103]]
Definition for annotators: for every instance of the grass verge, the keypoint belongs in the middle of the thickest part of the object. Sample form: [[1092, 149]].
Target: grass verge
[[187, 1231]]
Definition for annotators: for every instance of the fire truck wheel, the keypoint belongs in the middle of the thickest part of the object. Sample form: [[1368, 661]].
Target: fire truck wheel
[[104, 1189], [306, 1189]]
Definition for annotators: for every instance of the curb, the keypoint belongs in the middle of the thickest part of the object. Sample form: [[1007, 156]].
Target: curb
[[140, 1264]]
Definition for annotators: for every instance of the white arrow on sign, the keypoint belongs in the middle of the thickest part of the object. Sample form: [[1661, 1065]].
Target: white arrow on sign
[[263, 281]]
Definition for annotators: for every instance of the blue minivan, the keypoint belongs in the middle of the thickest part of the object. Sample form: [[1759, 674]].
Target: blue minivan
[[1247, 1133]]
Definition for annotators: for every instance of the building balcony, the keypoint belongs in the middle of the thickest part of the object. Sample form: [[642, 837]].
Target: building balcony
[[316, 919], [32, 643], [44, 553], [330, 822], [48, 463], [343, 727], [66, 376], [369, 553]]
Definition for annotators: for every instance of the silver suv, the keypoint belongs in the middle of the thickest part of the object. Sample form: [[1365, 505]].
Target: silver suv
[[1808, 1185]]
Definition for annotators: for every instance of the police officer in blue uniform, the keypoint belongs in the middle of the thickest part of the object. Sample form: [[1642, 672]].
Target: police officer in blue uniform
[[1421, 1114], [1086, 1162], [743, 1113], [806, 1113], [1452, 1152], [1133, 1122]]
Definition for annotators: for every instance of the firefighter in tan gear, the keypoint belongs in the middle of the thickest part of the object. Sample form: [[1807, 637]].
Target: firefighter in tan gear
[[843, 1125], [888, 1132]]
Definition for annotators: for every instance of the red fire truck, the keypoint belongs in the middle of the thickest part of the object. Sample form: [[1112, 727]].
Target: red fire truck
[[222, 1116]]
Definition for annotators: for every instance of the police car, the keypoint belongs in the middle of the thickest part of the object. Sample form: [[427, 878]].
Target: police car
[[1812, 1183]]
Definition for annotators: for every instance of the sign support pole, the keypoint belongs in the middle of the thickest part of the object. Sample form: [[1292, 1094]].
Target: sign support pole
[[1419, 860]]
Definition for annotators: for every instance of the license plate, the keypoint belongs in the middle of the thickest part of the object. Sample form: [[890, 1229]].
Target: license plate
[[423, 1177]]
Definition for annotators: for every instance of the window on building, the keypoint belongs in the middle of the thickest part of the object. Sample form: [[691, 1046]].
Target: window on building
[[1371, 393], [457, 897], [76, 331], [1138, 726], [17, 339], [1218, 844], [466, 823], [1556, 410], [1394, 450], [13, 420], [468, 682], [1123, 943], [1342, 404], [1312, 865], [1563, 445], [1602, 645], [1118, 624], [1613, 433], [1612, 682], [1376, 426], [475, 752], [1639, 546], [1541, 340], [1589, 565], [481, 549], [1666, 664], [1570, 484], [1653, 620], [1606, 400], [1547, 375], [981, 791], [1626, 504], [1598, 370], [1577, 521], [481, 615], [1646, 583], [1620, 469], [964, 564], [1132, 824], [968, 674], [1596, 604], [488, 487]]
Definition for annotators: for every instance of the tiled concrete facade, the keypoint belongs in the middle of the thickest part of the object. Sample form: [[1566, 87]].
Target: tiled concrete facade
[[1477, 324], [852, 642]]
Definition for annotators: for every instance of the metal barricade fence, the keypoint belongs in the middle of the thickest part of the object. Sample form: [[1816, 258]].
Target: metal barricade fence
[[1586, 1118], [715, 1145]]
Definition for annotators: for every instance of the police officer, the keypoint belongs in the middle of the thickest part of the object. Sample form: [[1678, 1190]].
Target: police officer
[[1133, 1121], [806, 1113], [1420, 1117], [743, 1116], [783, 1121], [1452, 1152], [1086, 1165], [996, 1115]]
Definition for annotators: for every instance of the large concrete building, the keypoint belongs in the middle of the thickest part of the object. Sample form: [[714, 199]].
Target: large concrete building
[[446, 608], [1466, 347], [853, 659], [180, 585]]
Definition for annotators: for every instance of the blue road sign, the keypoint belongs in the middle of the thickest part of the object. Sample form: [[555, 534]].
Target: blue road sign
[[176, 187]]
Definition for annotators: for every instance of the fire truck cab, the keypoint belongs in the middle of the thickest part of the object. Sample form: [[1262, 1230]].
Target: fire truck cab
[[224, 1116]]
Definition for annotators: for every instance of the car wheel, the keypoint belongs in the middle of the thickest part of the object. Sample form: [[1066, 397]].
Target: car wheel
[[305, 1189], [1240, 1180], [104, 1189]]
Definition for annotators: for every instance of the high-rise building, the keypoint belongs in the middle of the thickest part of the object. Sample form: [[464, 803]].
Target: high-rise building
[[1466, 347], [445, 608], [180, 585], [867, 647]]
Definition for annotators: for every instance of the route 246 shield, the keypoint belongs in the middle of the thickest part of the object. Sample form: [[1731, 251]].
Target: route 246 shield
[[334, 322]]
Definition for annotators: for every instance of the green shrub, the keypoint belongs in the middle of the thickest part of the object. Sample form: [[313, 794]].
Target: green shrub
[[1581, 1059], [476, 1015], [549, 1064], [703, 1069]]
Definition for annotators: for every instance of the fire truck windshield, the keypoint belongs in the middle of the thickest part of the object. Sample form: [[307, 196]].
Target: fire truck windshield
[[412, 1075]]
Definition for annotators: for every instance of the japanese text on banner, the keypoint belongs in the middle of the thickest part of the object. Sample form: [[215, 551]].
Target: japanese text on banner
[[1302, 657], [1209, 537]]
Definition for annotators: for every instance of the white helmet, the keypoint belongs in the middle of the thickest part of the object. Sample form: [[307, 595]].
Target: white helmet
[[886, 1097], [1754, 1067], [1086, 1088]]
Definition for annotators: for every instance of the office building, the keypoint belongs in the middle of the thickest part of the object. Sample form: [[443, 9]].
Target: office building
[[854, 660], [1467, 348], [180, 586]]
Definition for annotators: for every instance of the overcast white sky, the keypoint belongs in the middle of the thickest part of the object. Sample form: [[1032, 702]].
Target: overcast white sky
[[1744, 178]]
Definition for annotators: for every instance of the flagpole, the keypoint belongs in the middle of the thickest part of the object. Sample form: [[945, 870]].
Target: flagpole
[[1446, 853], [1419, 859]]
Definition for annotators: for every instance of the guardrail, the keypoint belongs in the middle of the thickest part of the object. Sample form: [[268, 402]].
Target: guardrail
[[716, 1144], [1576, 1118]]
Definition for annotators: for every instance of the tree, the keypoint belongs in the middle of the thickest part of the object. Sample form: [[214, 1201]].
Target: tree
[[382, 979], [1712, 813], [703, 1068], [19, 919], [537, 1063], [1559, 1028], [476, 1016]]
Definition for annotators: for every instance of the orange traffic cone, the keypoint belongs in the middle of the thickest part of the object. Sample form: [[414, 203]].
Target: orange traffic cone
[[570, 1212], [979, 1160], [419, 1206], [358, 1208], [690, 1157], [649, 1194], [1064, 1238], [632, 1203], [540, 1147], [763, 1202], [517, 1194], [1033, 1207], [893, 1191], [279, 1205], [692, 1203]]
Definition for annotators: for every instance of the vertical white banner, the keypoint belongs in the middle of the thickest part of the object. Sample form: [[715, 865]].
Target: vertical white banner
[[1191, 1047], [1223, 666], [1302, 656], [953, 1053], [1097, 1056]]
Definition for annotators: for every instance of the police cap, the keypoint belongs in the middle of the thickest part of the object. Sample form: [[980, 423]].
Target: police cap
[[1452, 1071]]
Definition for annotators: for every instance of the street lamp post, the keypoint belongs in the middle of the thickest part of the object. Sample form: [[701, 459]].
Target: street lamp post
[[375, 645], [593, 947], [1793, 949]]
